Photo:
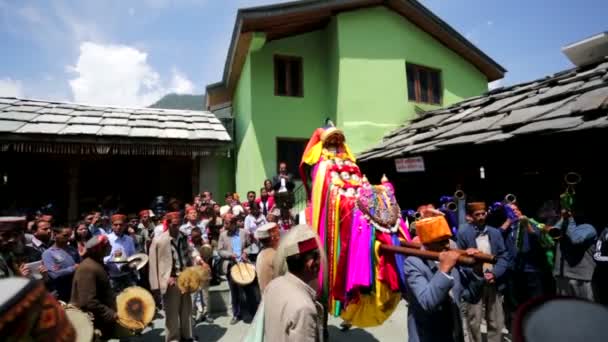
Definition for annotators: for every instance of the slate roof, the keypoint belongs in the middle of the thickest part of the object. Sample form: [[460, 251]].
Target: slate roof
[[571, 100], [32, 117]]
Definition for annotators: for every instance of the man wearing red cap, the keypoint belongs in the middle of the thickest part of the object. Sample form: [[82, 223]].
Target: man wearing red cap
[[291, 311], [91, 290], [123, 247], [170, 254]]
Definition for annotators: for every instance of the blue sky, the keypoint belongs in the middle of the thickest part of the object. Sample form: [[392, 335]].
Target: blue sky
[[131, 52]]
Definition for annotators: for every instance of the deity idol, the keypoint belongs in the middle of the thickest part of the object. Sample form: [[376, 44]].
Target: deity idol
[[352, 218]]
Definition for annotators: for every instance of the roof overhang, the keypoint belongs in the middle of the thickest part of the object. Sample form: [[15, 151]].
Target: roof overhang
[[292, 18]]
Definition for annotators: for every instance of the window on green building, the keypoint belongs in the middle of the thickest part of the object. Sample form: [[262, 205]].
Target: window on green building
[[288, 80], [290, 150], [423, 84]]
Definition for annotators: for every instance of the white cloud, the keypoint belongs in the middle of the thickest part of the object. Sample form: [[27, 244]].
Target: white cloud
[[10, 88], [180, 83], [495, 84], [120, 75]]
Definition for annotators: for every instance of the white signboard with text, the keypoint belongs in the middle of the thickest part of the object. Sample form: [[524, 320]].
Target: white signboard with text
[[414, 164]]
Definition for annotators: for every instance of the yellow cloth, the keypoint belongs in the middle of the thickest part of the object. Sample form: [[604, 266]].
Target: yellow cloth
[[372, 309], [317, 190], [313, 155]]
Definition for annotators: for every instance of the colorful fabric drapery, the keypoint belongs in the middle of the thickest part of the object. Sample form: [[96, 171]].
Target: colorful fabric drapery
[[352, 218]]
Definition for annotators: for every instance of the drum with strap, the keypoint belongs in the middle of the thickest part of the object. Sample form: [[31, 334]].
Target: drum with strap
[[243, 273]]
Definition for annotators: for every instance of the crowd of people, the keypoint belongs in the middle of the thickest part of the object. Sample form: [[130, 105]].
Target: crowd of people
[[87, 263], [557, 254]]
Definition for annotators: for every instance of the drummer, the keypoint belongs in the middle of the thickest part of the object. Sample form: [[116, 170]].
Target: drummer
[[170, 254], [268, 235], [91, 290], [232, 245]]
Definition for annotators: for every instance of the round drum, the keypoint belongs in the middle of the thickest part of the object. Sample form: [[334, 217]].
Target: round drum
[[135, 307], [243, 273], [81, 322]]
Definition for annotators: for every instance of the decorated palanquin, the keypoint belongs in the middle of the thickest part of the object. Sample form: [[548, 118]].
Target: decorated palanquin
[[353, 218]]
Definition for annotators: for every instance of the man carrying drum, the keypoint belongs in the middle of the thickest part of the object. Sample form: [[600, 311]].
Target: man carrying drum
[[170, 254], [91, 290]]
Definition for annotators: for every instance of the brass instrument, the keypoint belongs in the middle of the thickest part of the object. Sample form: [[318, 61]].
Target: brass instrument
[[417, 215], [554, 233], [567, 197], [452, 205], [510, 198]]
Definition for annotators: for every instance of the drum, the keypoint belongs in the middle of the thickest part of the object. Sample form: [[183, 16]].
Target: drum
[[29, 313], [193, 278], [82, 323], [135, 307], [243, 273]]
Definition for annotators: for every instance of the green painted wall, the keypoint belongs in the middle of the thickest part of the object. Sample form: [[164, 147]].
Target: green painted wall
[[279, 116], [374, 45], [354, 73]]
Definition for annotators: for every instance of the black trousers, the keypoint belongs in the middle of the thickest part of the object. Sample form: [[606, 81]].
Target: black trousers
[[236, 293]]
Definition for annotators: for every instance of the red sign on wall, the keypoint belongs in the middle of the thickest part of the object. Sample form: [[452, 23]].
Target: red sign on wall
[[414, 164]]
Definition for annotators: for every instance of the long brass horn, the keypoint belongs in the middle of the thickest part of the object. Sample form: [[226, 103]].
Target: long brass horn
[[510, 198], [459, 194], [572, 178], [451, 206]]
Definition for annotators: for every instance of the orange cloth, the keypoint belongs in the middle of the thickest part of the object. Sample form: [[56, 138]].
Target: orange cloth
[[433, 229]]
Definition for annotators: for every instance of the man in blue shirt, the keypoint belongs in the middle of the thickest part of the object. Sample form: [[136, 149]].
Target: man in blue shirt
[[231, 245], [61, 260], [488, 240], [121, 276]]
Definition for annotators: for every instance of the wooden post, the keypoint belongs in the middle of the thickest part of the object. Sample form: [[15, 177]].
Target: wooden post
[[73, 180]]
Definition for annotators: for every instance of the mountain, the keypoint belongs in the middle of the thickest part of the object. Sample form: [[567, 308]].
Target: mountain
[[177, 101]]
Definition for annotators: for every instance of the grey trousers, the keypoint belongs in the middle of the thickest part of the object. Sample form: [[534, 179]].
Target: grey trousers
[[491, 305], [178, 315], [573, 287], [200, 299]]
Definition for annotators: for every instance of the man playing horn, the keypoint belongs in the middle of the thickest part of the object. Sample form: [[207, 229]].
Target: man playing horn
[[436, 290]]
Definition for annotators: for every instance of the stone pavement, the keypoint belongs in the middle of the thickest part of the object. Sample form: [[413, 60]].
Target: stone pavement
[[393, 330]]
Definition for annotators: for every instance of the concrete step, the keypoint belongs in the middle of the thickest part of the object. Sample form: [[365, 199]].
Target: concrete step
[[219, 296]]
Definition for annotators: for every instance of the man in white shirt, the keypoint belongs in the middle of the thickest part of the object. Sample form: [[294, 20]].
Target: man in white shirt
[[121, 276]]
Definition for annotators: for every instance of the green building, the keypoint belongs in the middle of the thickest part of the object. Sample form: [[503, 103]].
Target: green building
[[367, 65]]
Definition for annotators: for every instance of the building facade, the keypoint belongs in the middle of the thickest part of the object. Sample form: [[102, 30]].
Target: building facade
[[368, 66]]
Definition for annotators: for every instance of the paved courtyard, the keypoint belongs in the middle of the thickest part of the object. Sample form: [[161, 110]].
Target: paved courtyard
[[393, 330]]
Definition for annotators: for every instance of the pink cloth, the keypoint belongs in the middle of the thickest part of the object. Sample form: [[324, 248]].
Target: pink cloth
[[359, 254]]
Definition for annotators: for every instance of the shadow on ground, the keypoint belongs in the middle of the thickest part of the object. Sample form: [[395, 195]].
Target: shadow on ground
[[352, 335], [209, 332]]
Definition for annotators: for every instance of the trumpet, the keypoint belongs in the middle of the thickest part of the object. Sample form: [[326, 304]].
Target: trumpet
[[567, 197], [459, 194], [417, 215], [451, 206], [510, 199], [554, 233]]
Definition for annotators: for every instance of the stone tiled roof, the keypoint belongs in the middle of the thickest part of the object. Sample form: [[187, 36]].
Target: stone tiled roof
[[571, 100], [30, 117]]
